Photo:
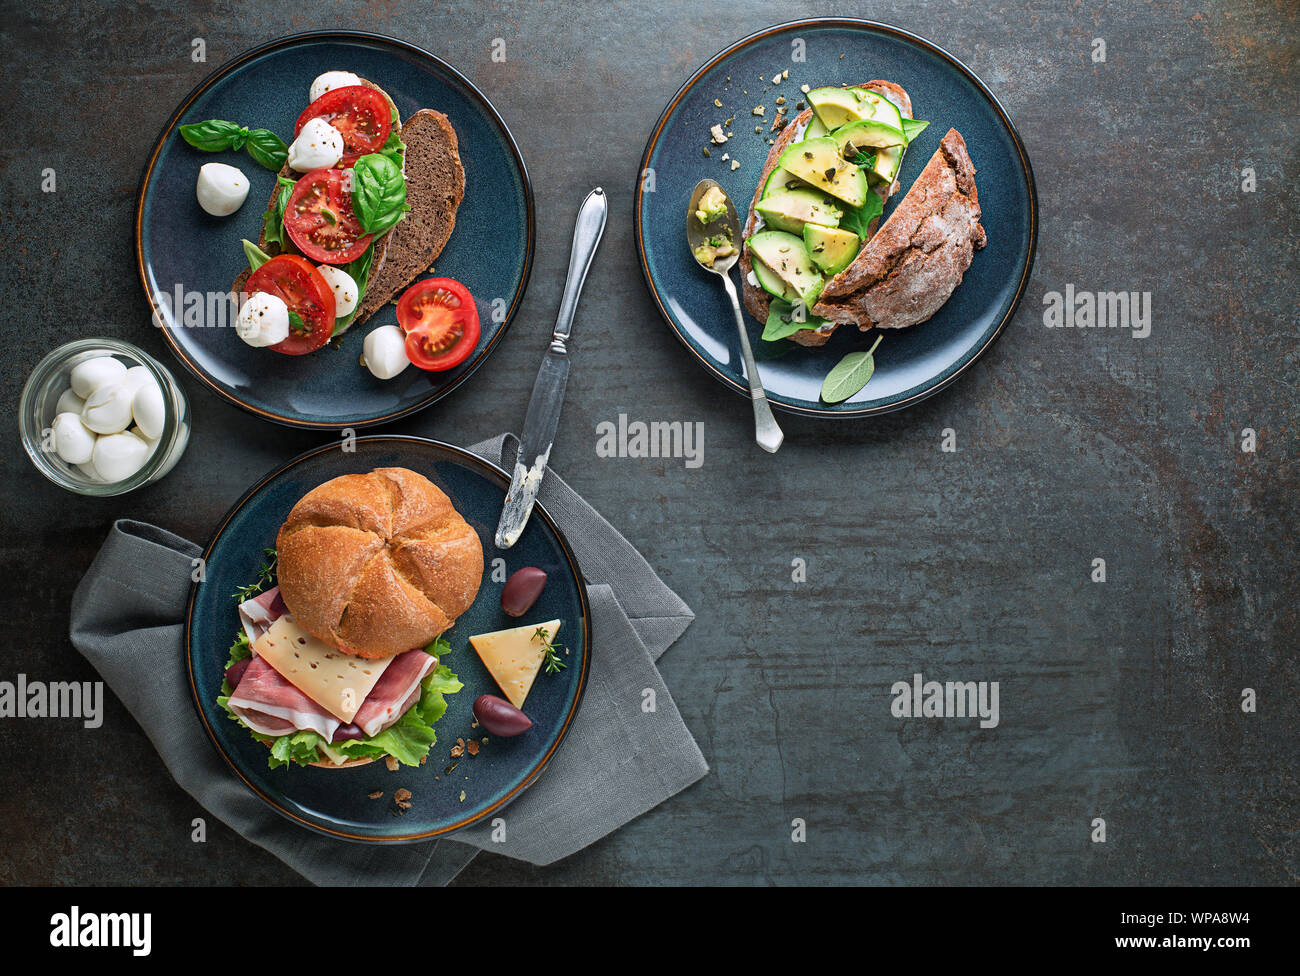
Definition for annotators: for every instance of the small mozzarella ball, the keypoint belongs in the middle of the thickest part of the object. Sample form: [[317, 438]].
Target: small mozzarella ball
[[330, 80], [108, 409], [264, 320], [93, 373], [319, 145], [222, 189], [88, 470], [344, 288], [385, 352], [138, 376], [69, 403], [149, 411], [73, 440], [118, 456], [153, 442]]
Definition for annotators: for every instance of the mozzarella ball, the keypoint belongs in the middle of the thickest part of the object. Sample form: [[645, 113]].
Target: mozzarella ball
[[93, 373], [73, 440], [384, 352], [149, 411], [108, 409], [118, 456], [69, 403], [344, 288], [222, 189], [136, 377], [89, 473], [330, 80], [319, 145], [264, 320]]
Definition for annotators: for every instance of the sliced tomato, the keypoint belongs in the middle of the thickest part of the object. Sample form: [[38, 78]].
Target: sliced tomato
[[362, 115], [320, 220], [297, 283], [440, 322]]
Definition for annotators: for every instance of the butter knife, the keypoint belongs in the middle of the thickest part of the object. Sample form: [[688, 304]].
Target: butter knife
[[543, 417]]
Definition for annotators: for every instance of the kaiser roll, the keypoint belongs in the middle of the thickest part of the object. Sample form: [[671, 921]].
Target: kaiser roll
[[377, 564]]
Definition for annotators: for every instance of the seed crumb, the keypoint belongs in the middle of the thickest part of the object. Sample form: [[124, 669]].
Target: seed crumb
[[758, 110], [735, 165], [717, 103]]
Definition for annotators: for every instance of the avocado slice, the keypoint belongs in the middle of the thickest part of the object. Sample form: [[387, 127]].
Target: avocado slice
[[786, 257], [781, 179], [783, 321], [818, 162], [865, 135], [815, 128], [770, 283], [832, 249], [790, 210], [873, 105], [887, 163], [836, 106]]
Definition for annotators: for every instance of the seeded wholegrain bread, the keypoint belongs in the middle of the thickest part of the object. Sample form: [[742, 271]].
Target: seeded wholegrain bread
[[759, 302]]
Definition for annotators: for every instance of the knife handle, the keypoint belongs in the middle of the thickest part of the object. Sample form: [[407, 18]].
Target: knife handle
[[586, 236]]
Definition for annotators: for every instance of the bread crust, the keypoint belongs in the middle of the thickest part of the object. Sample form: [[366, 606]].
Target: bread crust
[[377, 564], [757, 301]]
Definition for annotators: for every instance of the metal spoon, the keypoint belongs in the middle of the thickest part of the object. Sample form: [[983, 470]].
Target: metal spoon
[[766, 431]]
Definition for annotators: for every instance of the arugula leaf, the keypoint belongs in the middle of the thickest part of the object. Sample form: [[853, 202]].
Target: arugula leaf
[[267, 149], [273, 221], [784, 320], [378, 192], [858, 219], [214, 135]]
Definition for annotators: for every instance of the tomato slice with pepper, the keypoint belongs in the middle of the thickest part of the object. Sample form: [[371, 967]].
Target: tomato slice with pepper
[[320, 220], [361, 114], [440, 321], [296, 282]]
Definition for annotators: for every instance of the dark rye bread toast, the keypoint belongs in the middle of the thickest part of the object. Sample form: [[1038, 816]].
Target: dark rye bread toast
[[906, 272], [757, 301], [435, 187]]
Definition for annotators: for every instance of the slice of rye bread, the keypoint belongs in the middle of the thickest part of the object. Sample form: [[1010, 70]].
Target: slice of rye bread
[[911, 267], [757, 301], [435, 187]]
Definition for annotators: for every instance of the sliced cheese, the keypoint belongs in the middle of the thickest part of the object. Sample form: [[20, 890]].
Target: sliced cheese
[[514, 657], [338, 682]]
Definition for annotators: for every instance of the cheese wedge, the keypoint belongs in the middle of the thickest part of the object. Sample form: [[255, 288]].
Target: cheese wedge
[[514, 657], [338, 682]]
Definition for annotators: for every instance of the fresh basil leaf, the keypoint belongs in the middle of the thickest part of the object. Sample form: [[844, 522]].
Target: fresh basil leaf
[[850, 375], [214, 135], [378, 192], [256, 256], [785, 319], [267, 149], [296, 324], [858, 219], [359, 270]]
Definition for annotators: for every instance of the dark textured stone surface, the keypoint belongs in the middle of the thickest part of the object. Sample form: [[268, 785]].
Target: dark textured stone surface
[[1119, 700]]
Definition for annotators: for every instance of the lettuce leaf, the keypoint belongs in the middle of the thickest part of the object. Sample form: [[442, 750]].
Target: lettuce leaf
[[408, 740]]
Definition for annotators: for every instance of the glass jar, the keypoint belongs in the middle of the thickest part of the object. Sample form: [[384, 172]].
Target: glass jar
[[51, 379]]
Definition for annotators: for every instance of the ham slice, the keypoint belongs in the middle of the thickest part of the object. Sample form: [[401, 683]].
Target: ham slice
[[260, 612], [396, 691], [269, 704]]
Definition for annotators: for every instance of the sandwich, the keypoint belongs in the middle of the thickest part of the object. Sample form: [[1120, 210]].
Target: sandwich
[[337, 662], [413, 223], [813, 259]]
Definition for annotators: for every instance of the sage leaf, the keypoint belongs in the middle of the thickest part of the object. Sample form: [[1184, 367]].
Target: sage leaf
[[850, 375]]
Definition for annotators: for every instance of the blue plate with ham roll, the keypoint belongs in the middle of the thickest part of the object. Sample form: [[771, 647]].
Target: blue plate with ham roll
[[306, 641]]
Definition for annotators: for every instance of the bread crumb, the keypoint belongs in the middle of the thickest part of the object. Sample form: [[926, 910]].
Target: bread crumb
[[375, 795], [462, 796], [716, 136], [401, 795], [458, 749], [392, 763], [471, 747]]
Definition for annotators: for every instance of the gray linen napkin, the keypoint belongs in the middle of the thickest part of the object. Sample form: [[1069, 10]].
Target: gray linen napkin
[[617, 761]]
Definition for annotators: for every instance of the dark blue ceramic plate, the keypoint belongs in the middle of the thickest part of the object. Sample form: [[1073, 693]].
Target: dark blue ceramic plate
[[910, 363], [335, 802], [490, 250]]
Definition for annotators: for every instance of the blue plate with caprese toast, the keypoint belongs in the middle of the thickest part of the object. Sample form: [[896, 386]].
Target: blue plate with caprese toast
[[301, 661], [334, 230]]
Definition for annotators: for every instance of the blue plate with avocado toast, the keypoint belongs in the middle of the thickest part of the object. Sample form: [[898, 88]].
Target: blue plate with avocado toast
[[187, 258], [910, 363], [448, 792]]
